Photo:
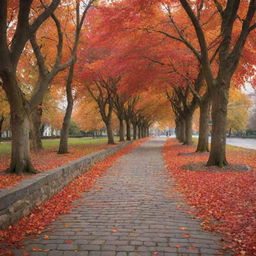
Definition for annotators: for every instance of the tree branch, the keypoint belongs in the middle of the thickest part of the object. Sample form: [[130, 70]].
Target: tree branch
[[3, 28], [202, 42], [21, 34]]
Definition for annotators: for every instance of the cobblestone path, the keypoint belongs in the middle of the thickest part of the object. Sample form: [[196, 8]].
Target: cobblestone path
[[131, 211]]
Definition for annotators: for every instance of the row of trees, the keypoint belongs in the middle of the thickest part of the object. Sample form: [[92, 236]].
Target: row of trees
[[28, 66], [131, 58], [38, 51], [193, 50]]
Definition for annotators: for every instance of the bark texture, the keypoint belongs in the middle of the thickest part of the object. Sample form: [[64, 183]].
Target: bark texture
[[128, 130], [188, 129], [121, 130], [63, 146], [35, 129], [110, 133], [219, 121], [203, 139], [134, 126]]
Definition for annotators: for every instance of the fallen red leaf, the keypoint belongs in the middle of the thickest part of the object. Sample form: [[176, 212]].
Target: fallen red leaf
[[186, 235], [68, 241], [192, 248]]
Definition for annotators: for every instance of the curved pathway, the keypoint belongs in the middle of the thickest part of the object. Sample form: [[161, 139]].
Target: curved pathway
[[132, 211]]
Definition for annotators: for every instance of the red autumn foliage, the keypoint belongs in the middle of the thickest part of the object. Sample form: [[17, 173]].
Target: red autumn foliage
[[60, 203], [225, 201], [46, 160]]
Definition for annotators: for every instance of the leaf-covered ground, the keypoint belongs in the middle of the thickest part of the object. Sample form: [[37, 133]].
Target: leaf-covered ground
[[60, 203], [224, 201], [46, 160]]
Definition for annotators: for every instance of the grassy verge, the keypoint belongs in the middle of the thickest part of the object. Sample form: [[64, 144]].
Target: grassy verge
[[5, 147]]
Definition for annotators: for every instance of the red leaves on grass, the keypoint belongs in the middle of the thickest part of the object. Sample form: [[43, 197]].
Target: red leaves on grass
[[46, 160], [60, 203], [225, 201]]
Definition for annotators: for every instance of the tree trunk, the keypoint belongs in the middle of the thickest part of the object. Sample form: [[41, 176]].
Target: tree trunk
[[203, 144], [20, 160], [121, 129], [128, 130], [146, 131], [110, 133], [177, 129], [143, 131], [35, 132], [188, 129], [229, 132], [219, 120], [181, 130], [42, 130], [139, 131], [1, 125], [63, 146], [134, 126], [19, 111]]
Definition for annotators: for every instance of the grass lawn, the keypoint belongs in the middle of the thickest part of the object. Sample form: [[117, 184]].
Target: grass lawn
[[5, 147]]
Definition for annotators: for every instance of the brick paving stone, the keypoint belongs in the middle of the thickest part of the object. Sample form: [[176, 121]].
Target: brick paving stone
[[129, 212]]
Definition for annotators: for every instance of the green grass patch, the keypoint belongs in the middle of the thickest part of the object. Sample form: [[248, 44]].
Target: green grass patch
[[5, 146], [49, 143]]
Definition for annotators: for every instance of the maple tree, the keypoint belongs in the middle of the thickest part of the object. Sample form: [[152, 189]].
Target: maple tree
[[81, 9], [229, 51], [221, 32], [102, 94], [12, 44], [119, 100], [158, 61], [47, 67]]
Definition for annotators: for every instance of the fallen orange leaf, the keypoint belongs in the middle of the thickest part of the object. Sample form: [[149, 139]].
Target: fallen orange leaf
[[39, 250]]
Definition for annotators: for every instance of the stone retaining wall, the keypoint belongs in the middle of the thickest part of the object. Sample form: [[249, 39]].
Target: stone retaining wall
[[18, 202]]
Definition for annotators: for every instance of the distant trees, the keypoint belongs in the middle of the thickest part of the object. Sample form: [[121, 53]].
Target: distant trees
[[238, 111]]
